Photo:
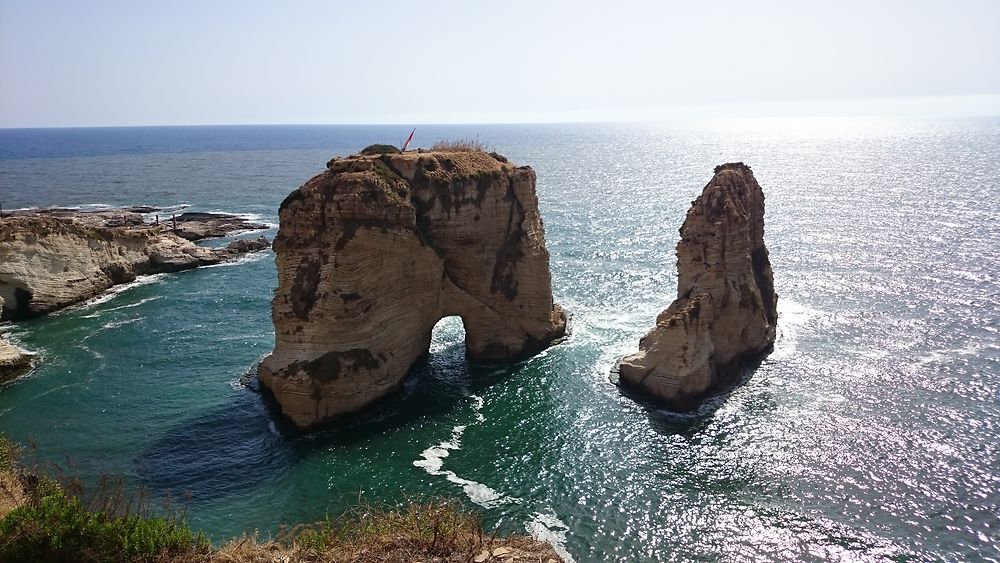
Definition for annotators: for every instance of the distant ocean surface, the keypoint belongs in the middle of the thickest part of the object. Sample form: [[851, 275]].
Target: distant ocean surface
[[871, 432]]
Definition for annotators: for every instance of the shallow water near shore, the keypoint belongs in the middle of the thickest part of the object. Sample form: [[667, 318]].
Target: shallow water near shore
[[871, 431]]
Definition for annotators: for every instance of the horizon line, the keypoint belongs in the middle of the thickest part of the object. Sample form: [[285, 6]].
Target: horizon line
[[967, 105]]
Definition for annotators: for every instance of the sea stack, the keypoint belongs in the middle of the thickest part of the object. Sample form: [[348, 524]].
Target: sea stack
[[726, 307], [374, 251]]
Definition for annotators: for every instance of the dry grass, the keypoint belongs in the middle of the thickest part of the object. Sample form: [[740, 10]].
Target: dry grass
[[441, 531], [13, 492], [461, 145]]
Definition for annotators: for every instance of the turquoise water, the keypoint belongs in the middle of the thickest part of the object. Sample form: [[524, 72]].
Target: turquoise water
[[870, 432]]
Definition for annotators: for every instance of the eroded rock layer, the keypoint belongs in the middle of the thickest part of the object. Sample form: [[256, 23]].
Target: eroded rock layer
[[725, 309], [372, 253]]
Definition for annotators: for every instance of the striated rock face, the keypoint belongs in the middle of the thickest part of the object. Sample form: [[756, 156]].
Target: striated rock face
[[49, 262], [725, 309], [377, 249]]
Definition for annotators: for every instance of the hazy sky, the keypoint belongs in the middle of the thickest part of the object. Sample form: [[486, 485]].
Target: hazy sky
[[205, 62]]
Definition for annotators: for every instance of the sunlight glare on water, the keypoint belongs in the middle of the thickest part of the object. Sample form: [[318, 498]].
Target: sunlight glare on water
[[869, 433]]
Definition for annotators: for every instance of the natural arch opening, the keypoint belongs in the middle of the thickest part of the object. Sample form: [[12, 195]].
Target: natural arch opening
[[447, 335], [445, 371]]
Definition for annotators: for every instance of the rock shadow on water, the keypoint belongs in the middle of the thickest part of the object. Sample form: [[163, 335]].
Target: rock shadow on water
[[224, 451], [247, 442]]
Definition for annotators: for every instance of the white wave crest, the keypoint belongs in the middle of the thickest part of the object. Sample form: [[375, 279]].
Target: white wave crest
[[247, 258], [547, 527], [123, 322], [432, 461], [119, 308], [113, 292], [251, 217]]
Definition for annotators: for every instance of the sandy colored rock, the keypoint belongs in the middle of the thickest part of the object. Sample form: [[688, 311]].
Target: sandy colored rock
[[48, 262], [13, 360], [372, 253], [726, 307]]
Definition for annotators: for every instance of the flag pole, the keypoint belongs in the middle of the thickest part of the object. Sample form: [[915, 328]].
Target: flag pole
[[408, 139]]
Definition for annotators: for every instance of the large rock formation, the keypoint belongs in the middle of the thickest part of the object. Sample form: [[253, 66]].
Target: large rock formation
[[725, 309], [49, 261], [377, 249]]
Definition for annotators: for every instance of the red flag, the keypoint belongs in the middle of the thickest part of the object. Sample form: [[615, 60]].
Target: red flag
[[408, 139]]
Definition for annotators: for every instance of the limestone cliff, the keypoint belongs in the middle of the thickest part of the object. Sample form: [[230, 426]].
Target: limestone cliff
[[48, 262], [377, 249], [725, 309]]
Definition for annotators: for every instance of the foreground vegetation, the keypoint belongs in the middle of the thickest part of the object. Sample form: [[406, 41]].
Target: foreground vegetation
[[46, 519]]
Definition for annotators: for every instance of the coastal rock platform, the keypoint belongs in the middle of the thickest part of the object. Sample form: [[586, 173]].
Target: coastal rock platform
[[53, 258]]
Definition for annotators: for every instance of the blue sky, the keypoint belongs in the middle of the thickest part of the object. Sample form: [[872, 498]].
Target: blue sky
[[214, 62]]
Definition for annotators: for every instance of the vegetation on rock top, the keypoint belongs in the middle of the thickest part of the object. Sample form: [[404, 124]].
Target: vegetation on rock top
[[379, 148], [461, 145]]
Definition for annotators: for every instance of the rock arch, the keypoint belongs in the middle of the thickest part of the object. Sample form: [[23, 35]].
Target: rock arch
[[373, 252]]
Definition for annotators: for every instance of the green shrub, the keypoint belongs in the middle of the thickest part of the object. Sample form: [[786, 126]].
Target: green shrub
[[59, 528], [379, 148]]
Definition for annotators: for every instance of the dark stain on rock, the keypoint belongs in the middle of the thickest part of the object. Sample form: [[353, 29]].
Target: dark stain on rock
[[119, 274], [765, 282], [291, 198], [504, 279], [333, 365], [483, 184], [304, 288], [348, 297], [443, 190], [351, 226]]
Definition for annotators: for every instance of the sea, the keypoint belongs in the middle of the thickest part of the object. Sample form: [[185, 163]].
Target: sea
[[871, 432]]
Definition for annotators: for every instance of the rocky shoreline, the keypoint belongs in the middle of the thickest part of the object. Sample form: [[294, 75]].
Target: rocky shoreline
[[54, 258]]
